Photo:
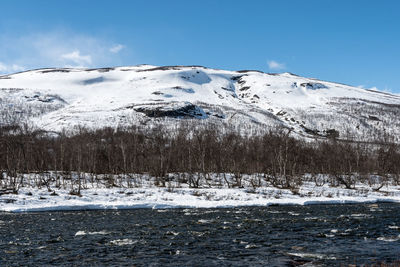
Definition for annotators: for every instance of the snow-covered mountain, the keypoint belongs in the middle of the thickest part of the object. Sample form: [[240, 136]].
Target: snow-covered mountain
[[54, 99]]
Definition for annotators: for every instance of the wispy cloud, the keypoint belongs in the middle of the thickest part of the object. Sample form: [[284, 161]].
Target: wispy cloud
[[57, 49], [116, 48], [374, 88], [4, 68], [77, 58], [275, 65]]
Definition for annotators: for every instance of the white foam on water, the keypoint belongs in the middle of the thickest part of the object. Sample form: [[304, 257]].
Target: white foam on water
[[80, 233], [312, 256], [123, 242], [389, 238]]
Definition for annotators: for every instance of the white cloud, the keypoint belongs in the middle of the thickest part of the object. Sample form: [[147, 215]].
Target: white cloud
[[57, 49], [4, 68], [116, 48], [77, 58], [274, 65]]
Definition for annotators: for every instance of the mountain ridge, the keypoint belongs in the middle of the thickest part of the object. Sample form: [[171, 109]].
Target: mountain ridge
[[62, 98]]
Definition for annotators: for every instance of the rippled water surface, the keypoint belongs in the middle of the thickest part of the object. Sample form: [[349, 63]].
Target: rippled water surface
[[318, 235]]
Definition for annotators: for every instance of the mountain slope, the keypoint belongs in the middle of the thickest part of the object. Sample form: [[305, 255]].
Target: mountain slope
[[54, 99]]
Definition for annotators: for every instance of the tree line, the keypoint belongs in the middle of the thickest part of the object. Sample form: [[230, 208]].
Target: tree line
[[275, 157]]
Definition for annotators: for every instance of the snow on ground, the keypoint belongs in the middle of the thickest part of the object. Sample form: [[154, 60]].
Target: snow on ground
[[32, 199]]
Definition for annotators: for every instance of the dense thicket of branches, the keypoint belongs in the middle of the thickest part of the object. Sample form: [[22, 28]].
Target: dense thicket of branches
[[275, 156]]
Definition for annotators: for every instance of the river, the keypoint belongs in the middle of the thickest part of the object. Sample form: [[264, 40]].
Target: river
[[314, 235]]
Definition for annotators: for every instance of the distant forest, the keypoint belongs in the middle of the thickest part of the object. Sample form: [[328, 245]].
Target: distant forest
[[275, 157]]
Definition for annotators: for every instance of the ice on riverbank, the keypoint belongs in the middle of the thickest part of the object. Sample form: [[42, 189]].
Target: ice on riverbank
[[33, 199]]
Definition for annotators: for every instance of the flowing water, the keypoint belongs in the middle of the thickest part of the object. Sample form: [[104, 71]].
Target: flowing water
[[316, 235]]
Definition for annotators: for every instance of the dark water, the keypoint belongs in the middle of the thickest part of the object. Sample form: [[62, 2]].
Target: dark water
[[319, 235]]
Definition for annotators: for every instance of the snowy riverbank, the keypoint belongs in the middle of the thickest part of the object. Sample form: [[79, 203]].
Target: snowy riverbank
[[33, 199]]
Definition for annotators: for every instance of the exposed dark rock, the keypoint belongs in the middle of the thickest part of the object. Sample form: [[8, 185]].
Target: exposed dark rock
[[244, 88], [45, 98], [313, 86], [101, 69], [219, 95], [332, 133], [55, 70], [244, 71], [236, 78], [329, 133], [171, 68], [186, 90], [310, 131], [219, 116], [52, 98], [186, 111], [373, 118]]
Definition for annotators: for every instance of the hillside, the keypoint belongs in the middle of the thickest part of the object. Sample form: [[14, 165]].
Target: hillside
[[54, 99]]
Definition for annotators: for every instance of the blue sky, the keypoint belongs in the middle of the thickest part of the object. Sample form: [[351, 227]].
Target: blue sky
[[355, 42]]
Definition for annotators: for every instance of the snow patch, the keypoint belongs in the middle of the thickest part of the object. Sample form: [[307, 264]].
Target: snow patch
[[95, 197]]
